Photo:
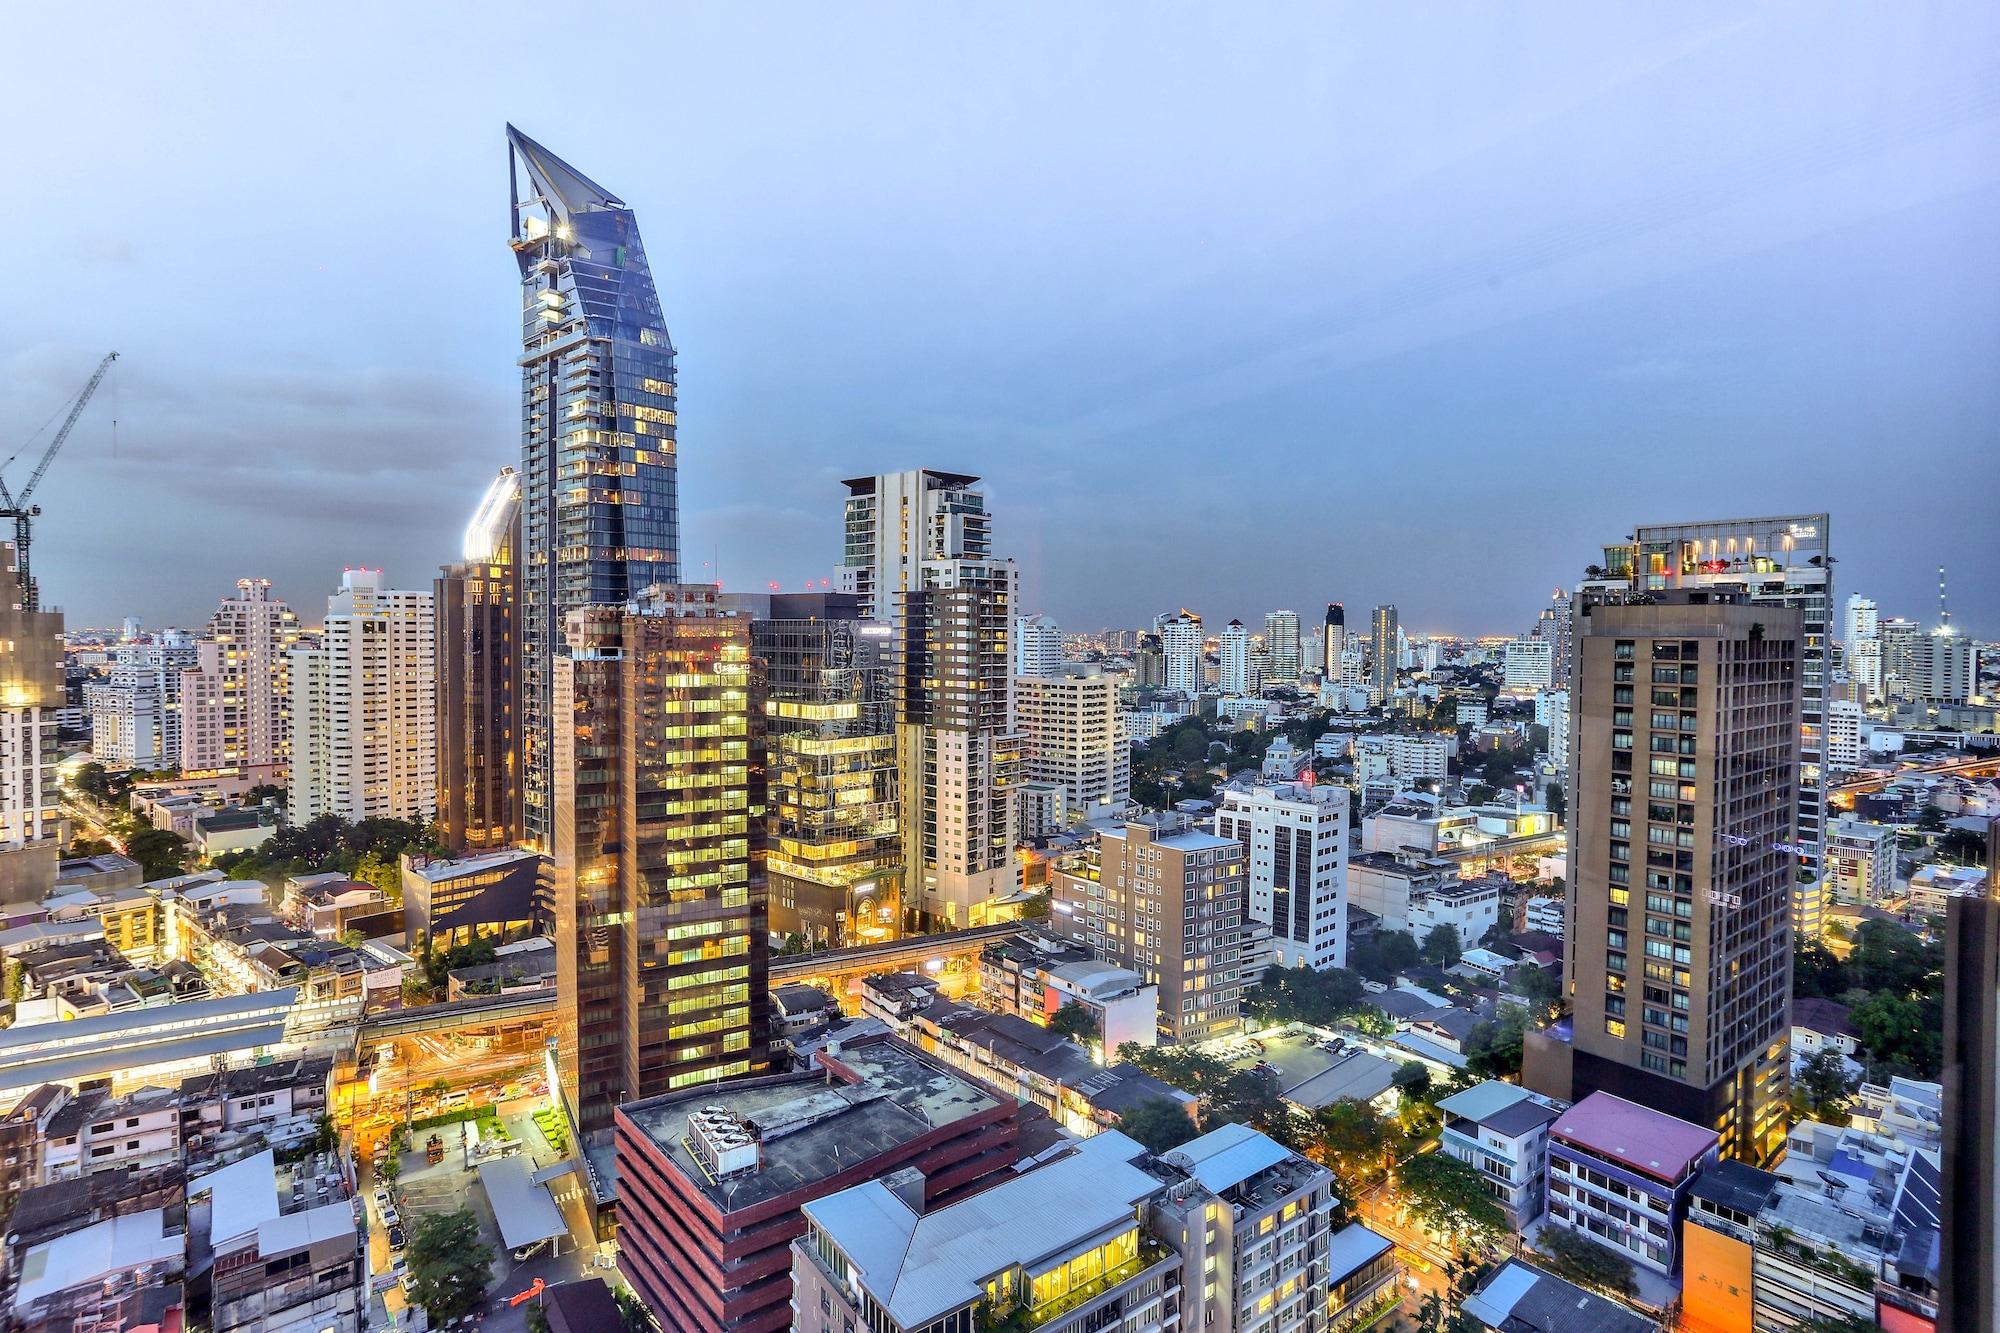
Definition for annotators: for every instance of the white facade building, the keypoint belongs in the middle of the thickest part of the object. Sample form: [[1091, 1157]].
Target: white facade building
[[1074, 737], [1945, 668], [135, 713], [1861, 620], [1860, 861], [1294, 839], [1529, 664], [1844, 719], [1038, 649], [1180, 651], [1552, 713], [364, 707], [1409, 758], [1234, 675]]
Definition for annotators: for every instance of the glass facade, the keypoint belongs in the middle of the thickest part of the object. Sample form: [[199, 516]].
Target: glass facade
[[599, 511]]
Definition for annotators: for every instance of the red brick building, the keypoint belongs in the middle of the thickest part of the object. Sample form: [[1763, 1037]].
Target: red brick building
[[711, 1180]]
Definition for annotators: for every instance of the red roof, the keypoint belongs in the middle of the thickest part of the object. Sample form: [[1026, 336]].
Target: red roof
[[1650, 1142]]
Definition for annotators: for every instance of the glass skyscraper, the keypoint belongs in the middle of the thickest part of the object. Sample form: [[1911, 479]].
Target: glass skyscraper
[[599, 514]]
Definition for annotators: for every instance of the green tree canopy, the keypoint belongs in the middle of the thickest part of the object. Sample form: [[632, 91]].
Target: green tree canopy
[[449, 1266], [1157, 1123], [1448, 1198], [159, 852], [1573, 1255], [1441, 946], [1075, 1020], [1353, 1142]]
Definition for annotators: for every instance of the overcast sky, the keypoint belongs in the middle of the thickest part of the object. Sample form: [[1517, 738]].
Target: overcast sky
[[1234, 307]]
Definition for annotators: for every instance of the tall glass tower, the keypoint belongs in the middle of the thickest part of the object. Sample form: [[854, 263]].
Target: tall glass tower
[[599, 515]]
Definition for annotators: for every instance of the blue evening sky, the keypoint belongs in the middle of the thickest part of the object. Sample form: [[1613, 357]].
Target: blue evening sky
[[1235, 307]]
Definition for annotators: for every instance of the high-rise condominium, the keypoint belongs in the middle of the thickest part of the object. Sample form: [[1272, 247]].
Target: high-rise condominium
[[1781, 561], [1072, 736], [31, 693], [1038, 649], [1553, 628], [599, 516], [661, 915], [1861, 620], [236, 706], [1334, 642], [1281, 641], [364, 707], [135, 714], [919, 553], [1679, 928], [479, 718], [1944, 667], [1234, 674], [1384, 651], [836, 847], [1294, 840], [1181, 649]]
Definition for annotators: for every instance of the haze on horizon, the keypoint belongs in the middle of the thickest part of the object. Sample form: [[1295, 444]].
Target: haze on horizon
[[1232, 311]]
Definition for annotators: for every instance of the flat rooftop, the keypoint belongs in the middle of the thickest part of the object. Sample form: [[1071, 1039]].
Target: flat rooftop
[[822, 1128]]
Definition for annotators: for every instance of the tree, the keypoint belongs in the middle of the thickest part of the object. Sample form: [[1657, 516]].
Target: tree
[[392, 1167], [1887, 957], [384, 874], [1412, 1077], [1074, 1021], [1448, 1198], [1901, 1035], [94, 781], [1158, 1124], [1493, 1048], [1190, 745], [1821, 1087], [159, 852], [1817, 974], [449, 1268], [1570, 1254], [1441, 946], [1556, 800], [632, 1311], [1352, 1141], [1396, 950]]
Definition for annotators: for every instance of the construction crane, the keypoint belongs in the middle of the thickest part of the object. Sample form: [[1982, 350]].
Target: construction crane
[[18, 508]]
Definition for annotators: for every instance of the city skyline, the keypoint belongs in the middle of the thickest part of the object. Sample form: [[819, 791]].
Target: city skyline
[[1675, 303]]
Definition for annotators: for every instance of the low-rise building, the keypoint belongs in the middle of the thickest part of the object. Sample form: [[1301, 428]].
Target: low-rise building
[[1620, 1173], [1520, 1298], [1860, 861], [711, 1181], [324, 904], [491, 894], [1502, 1129]]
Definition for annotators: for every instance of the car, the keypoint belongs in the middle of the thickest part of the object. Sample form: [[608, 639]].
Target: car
[[395, 1239], [382, 1198]]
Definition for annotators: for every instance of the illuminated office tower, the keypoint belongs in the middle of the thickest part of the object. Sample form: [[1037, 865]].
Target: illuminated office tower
[[1780, 561], [479, 756], [236, 707], [918, 552], [364, 707], [1685, 763], [662, 949], [1383, 653], [1281, 641], [599, 516], [1181, 643], [836, 848]]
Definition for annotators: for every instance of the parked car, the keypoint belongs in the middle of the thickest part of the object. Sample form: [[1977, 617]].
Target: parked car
[[395, 1239]]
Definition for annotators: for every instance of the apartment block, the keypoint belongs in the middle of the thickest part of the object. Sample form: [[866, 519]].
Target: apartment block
[[1622, 1174], [1071, 735], [1294, 841], [1167, 900]]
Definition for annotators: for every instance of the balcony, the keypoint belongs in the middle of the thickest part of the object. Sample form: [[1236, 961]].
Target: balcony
[[1021, 1318]]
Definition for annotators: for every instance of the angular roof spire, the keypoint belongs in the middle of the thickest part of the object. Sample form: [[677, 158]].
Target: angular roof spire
[[566, 189]]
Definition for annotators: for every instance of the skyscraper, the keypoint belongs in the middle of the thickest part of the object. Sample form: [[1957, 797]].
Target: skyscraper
[[1233, 676], [1334, 642], [661, 915], [236, 706], [919, 552], [836, 848], [1944, 667], [1553, 627], [479, 748], [1071, 734], [31, 693], [364, 707], [1181, 648], [1038, 646], [1969, 1279], [1685, 763], [1281, 641], [599, 516], [1779, 561], [1294, 840], [1860, 621], [1384, 651]]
